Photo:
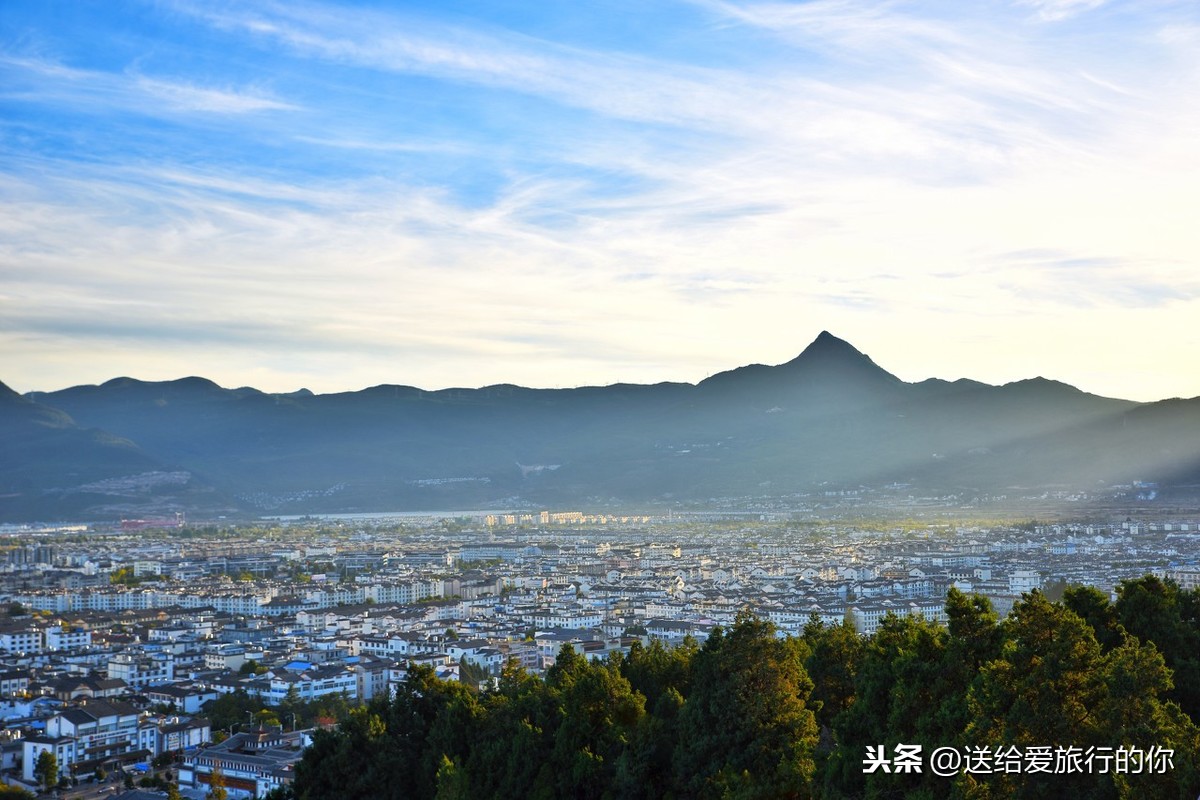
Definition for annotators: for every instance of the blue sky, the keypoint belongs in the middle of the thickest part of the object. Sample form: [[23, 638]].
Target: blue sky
[[336, 195]]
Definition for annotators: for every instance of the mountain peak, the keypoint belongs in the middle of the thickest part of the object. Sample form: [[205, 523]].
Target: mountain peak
[[830, 356], [826, 344], [827, 365]]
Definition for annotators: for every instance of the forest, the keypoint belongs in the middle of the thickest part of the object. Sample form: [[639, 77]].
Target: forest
[[750, 714]]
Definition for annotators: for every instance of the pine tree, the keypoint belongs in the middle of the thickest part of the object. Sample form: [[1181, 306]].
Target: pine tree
[[835, 652], [452, 782], [1043, 690], [46, 769], [1158, 611], [745, 728]]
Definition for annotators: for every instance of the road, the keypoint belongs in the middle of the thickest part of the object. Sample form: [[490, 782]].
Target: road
[[90, 791]]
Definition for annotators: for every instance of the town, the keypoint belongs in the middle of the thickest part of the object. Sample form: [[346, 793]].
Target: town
[[205, 655]]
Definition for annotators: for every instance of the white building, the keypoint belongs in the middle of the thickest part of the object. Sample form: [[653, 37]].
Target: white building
[[231, 656], [142, 671], [22, 640], [1024, 580], [252, 762], [86, 737], [63, 638]]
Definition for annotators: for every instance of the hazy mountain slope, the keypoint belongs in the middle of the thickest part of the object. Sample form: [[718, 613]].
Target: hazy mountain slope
[[50, 468], [831, 415]]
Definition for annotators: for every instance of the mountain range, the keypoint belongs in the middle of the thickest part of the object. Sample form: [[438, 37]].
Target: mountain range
[[830, 417]]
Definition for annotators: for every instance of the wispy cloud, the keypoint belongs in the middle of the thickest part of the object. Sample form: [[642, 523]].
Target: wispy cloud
[[1055, 10], [842, 24], [185, 97], [607, 83], [50, 82]]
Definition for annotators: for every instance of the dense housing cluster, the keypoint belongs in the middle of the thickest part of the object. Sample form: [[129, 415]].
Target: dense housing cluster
[[226, 651]]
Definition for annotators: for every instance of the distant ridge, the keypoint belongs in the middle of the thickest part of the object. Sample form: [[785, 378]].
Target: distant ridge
[[47, 462], [829, 416]]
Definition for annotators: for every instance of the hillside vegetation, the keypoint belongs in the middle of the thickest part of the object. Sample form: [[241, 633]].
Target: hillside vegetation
[[751, 715]]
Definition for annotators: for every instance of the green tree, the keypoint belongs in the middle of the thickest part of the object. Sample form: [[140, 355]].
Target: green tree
[[266, 718], [745, 728], [454, 713], [230, 709], [643, 770], [291, 705], [1135, 713], [46, 769], [471, 674], [975, 639], [595, 711], [361, 759], [835, 652], [1093, 607], [656, 669], [1156, 610], [251, 667], [511, 741], [1042, 690], [899, 688], [452, 782]]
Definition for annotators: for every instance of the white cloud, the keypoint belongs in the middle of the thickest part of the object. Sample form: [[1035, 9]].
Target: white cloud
[[186, 97], [51, 82], [1056, 10]]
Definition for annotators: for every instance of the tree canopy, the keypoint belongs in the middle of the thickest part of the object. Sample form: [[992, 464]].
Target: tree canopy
[[752, 714]]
